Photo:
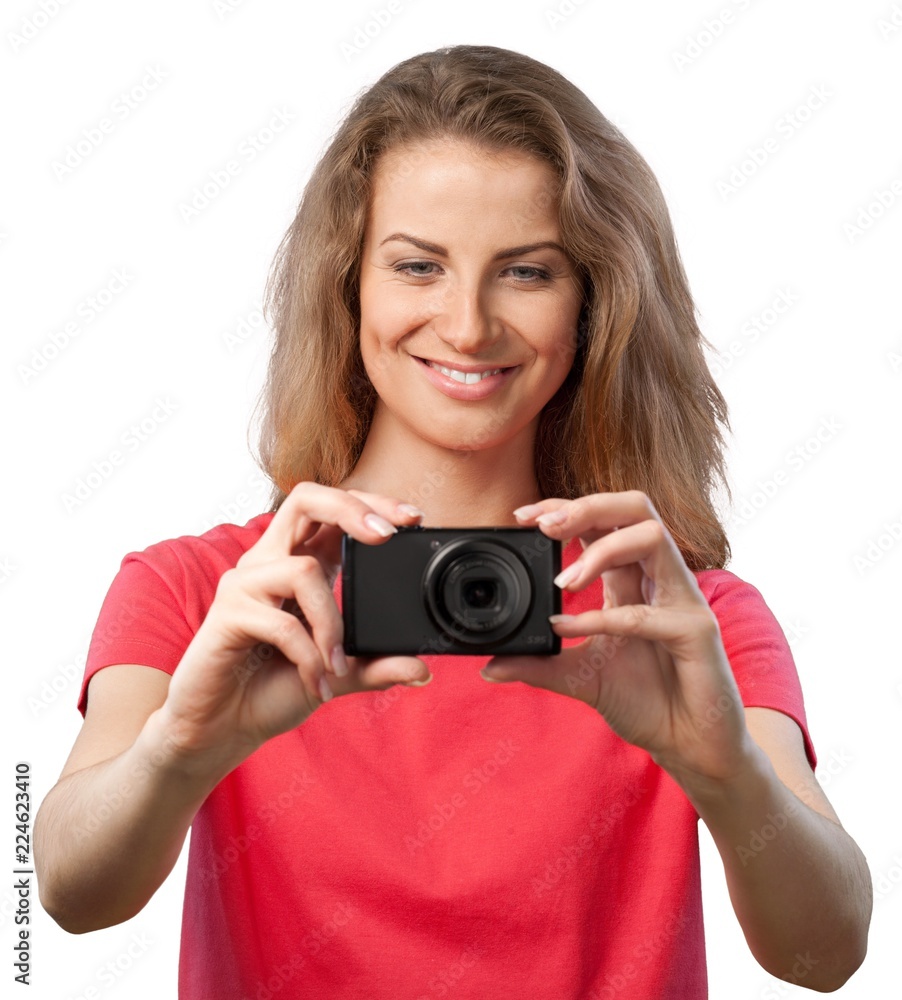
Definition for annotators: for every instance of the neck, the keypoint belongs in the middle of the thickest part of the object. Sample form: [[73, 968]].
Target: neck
[[455, 488]]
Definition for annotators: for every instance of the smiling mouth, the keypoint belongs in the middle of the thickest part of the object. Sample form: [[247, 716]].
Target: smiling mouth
[[465, 378]]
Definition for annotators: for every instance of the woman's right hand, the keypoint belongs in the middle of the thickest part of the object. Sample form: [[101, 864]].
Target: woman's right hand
[[253, 670]]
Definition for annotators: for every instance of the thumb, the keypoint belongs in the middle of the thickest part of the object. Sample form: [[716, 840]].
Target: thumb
[[567, 673]]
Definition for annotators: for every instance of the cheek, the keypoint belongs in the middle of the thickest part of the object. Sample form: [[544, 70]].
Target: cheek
[[559, 352], [383, 320]]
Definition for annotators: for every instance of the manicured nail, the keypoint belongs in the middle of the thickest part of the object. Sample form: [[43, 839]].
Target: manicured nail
[[528, 511], [410, 510], [568, 575], [325, 692], [552, 517], [339, 663], [379, 525]]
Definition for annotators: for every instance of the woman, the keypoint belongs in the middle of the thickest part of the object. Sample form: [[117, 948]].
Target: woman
[[481, 319]]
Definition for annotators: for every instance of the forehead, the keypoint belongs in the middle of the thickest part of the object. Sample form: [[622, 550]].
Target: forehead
[[422, 179]]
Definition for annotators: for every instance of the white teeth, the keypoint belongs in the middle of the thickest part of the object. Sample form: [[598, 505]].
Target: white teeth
[[468, 378]]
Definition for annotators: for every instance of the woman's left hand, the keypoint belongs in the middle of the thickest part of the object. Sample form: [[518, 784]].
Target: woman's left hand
[[653, 663]]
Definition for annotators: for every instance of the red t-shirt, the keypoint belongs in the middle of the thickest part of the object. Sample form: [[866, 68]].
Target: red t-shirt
[[462, 839]]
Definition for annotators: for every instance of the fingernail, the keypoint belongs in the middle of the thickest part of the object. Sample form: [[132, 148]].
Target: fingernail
[[528, 510], [488, 677], [554, 619], [379, 525], [568, 575], [419, 684], [325, 692], [552, 517], [339, 663], [410, 510]]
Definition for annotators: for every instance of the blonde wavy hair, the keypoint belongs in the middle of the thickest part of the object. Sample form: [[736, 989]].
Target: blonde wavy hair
[[639, 408]]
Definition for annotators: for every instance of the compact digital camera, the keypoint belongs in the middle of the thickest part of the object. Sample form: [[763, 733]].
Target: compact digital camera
[[457, 591]]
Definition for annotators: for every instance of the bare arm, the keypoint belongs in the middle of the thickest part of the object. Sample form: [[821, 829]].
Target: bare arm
[[110, 831], [152, 748], [798, 882]]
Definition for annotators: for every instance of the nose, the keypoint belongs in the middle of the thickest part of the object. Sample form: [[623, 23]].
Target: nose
[[466, 321]]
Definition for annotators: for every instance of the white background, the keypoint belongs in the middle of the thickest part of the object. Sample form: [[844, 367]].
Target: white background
[[693, 99]]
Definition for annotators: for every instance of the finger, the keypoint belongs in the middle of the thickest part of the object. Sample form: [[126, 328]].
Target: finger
[[529, 512], [389, 507], [671, 626], [376, 674], [327, 542], [309, 505], [565, 674], [651, 546], [313, 593], [299, 586], [280, 630]]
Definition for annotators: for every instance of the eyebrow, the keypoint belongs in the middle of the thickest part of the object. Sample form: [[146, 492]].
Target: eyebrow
[[519, 251]]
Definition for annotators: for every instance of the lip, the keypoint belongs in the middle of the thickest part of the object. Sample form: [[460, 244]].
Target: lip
[[458, 390], [466, 369]]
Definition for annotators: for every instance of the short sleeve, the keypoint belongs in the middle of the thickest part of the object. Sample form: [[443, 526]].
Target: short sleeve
[[161, 595], [757, 649], [142, 620]]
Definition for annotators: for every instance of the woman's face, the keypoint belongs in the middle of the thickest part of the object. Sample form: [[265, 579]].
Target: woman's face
[[454, 274]]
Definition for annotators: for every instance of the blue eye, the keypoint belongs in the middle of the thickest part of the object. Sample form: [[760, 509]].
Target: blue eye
[[532, 275], [539, 274], [405, 268]]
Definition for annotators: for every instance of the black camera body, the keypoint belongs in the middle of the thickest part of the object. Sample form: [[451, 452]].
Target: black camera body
[[452, 591]]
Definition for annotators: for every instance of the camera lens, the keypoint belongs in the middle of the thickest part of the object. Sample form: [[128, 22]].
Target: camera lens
[[479, 593], [477, 590]]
